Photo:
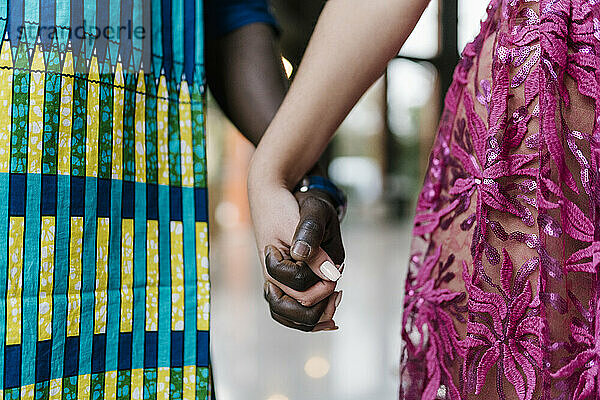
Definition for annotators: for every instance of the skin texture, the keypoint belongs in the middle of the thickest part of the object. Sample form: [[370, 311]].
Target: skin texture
[[350, 48], [245, 75]]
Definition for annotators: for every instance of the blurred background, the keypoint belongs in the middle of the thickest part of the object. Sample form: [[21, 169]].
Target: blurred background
[[379, 156]]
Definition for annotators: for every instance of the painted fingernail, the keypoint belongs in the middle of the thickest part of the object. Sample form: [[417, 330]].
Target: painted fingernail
[[338, 299], [301, 248], [330, 271]]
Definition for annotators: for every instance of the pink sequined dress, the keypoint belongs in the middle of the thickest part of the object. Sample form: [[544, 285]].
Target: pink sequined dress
[[502, 296]]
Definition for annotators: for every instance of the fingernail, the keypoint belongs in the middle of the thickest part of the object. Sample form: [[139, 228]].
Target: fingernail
[[266, 288], [335, 328], [301, 248], [338, 299], [341, 267], [330, 271]]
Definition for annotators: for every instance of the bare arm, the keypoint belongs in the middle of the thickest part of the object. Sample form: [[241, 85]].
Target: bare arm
[[351, 45], [245, 75], [350, 48]]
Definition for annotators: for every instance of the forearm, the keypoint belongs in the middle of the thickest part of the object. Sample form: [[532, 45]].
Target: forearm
[[349, 50], [246, 77]]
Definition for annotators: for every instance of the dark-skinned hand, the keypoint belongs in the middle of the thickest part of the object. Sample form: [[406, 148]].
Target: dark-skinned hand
[[300, 291]]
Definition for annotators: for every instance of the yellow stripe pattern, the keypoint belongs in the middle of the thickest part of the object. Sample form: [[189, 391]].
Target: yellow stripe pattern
[[177, 293], [137, 384], [74, 291], [185, 129], [93, 119], [100, 295], [162, 383], [117, 136], [6, 79], [127, 276], [110, 385], [56, 389], [83, 387], [189, 382], [203, 284], [152, 276], [15, 280], [66, 116], [37, 87], [28, 392], [46, 278], [16, 235]]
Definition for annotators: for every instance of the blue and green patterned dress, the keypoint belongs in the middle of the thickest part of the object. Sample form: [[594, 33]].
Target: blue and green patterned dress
[[104, 290]]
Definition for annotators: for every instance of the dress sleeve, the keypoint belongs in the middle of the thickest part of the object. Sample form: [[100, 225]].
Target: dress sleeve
[[225, 16]]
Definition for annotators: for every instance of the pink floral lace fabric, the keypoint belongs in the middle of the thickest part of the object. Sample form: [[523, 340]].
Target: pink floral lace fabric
[[503, 294]]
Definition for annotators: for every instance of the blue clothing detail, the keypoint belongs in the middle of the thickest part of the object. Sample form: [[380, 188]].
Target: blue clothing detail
[[225, 16]]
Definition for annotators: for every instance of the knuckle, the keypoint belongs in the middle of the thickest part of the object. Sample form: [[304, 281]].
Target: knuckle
[[300, 284], [327, 287], [313, 201], [306, 301], [302, 281], [271, 267], [318, 202], [313, 317], [312, 224]]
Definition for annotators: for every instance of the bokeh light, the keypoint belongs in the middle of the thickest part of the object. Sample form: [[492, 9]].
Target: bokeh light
[[278, 397], [316, 367]]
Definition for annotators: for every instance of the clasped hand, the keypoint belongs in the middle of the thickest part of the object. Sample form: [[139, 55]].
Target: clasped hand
[[300, 275]]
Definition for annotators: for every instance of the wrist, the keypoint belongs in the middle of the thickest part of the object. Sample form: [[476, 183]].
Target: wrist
[[325, 189], [262, 174]]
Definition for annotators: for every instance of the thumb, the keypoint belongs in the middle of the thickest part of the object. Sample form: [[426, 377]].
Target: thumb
[[314, 214]]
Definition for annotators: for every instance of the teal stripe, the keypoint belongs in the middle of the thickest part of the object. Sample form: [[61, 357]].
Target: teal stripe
[[178, 39], [164, 278], [31, 14], [4, 181], [138, 9], [157, 49], [31, 272], [114, 277], [114, 21], [139, 276], [63, 19], [189, 261], [199, 36], [88, 275], [61, 274], [3, 17], [89, 16]]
